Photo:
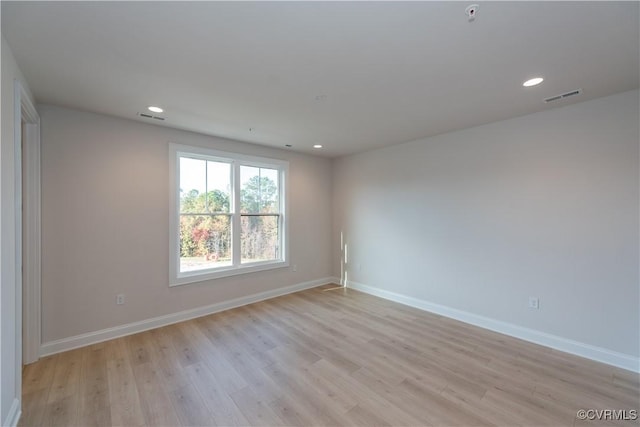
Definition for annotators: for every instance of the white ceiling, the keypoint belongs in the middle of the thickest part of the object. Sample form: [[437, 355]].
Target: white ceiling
[[349, 75]]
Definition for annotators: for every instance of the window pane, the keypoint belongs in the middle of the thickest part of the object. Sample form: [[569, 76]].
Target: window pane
[[204, 186], [205, 242], [218, 186], [259, 191], [193, 181], [260, 238]]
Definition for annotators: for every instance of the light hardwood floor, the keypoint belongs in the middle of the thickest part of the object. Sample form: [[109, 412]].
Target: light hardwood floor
[[326, 356]]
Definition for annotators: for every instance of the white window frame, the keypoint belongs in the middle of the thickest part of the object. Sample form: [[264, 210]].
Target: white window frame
[[176, 277]]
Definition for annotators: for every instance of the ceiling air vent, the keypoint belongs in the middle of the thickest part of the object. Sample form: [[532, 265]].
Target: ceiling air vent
[[563, 95], [149, 116]]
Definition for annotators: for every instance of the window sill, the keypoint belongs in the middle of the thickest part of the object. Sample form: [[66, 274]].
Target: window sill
[[204, 275]]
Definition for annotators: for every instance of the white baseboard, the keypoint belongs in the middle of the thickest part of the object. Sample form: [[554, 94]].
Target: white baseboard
[[58, 346], [588, 351], [14, 414]]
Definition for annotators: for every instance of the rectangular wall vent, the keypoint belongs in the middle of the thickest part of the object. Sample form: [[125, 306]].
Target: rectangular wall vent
[[563, 95], [149, 116]]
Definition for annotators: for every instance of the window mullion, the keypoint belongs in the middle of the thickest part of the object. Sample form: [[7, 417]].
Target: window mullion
[[206, 186], [281, 217], [236, 222]]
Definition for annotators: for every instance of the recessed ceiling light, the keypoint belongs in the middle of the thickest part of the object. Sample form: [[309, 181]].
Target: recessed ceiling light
[[155, 109], [317, 146], [533, 82]]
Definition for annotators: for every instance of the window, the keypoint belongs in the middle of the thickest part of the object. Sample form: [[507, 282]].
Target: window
[[228, 214]]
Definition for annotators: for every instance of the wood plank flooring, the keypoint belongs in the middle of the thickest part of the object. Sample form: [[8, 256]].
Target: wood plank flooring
[[326, 356]]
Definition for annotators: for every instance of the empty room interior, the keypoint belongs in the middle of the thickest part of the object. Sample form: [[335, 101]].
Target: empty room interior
[[320, 213]]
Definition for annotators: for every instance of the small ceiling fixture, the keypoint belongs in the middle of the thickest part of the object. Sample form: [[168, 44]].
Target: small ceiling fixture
[[155, 109], [317, 146], [533, 82], [471, 12]]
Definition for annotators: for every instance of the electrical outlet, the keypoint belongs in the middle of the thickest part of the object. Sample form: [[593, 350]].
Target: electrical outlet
[[294, 268], [534, 303], [120, 299]]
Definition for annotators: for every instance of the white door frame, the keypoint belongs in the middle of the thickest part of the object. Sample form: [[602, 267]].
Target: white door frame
[[29, 350]]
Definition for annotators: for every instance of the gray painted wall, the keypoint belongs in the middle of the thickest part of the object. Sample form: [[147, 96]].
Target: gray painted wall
[[105, 223], [481, 219]]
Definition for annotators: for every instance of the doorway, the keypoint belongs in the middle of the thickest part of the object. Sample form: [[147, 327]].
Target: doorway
[[27, 195]]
